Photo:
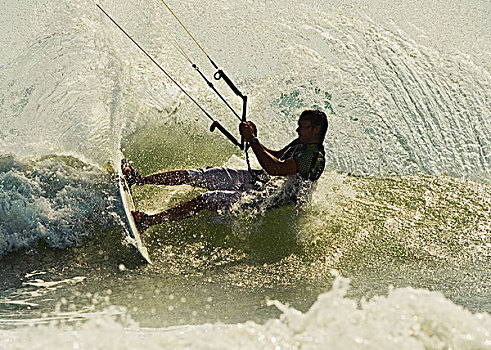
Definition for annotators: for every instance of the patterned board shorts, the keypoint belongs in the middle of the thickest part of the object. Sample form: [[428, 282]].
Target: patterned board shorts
[[226, 186]]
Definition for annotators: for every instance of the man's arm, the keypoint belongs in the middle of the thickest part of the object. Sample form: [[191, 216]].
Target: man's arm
[[274, 153], [271, 164], [268, 158]]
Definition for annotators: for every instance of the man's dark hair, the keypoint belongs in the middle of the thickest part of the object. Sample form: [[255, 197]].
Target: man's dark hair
[[316, 117]]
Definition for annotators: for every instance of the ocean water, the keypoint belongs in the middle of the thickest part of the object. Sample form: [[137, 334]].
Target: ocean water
[[391, 252]]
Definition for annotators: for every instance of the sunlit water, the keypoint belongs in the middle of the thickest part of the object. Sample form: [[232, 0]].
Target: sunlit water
[[403, 210]]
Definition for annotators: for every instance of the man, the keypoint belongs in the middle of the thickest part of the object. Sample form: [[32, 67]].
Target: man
[[302, 161]]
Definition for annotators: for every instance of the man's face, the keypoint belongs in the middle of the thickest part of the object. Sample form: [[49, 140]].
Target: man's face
[[306, 133]]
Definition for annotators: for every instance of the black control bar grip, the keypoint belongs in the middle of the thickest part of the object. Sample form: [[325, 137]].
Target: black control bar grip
[[217, 125]]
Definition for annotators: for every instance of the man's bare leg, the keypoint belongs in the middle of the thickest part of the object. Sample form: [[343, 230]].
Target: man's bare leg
[[179, 212]]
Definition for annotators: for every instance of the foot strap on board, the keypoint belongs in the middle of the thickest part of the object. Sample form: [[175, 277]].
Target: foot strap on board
[[140, 218], [131, 175]]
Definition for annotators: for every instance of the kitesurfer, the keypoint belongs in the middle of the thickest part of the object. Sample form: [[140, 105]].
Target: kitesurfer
[[301, 161]]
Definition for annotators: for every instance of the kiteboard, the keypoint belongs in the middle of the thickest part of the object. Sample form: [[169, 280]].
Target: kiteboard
[[133, 236]]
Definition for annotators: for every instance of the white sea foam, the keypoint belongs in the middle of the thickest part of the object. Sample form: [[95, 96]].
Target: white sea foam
[[406, 318], [50, 199]]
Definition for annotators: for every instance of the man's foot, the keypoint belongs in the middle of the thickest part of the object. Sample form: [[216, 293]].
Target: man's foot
[[141, 220], [131, 175]]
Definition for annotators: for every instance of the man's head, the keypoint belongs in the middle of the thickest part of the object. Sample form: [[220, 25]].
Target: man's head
[[312, 126]]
